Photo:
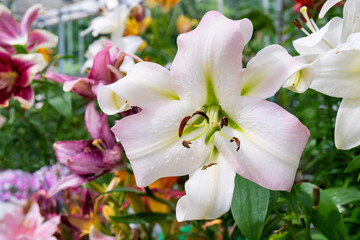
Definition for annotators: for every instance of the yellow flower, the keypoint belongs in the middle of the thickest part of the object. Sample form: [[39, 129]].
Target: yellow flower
[[135, 27], [185, 24]]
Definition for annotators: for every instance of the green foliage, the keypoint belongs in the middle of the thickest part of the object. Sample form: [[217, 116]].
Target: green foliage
[[252, 201]]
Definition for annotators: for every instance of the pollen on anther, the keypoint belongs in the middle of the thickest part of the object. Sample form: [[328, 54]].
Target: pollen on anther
[[237, 141], [297, 24], [224, 122], [206, 166]]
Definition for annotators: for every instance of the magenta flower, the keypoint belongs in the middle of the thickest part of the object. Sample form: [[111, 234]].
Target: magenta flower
[[17, 226], [88, 159], [16, 74], [104, 71], [13, 32]]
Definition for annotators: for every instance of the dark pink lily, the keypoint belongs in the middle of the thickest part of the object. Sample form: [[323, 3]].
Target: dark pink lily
[[88, 159], [104, 71], [13, 32], [16, 74]]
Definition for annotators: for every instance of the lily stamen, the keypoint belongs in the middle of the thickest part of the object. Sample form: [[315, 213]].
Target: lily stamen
[[202, 114], [183, 124], [299, 26], [207, 166], [186, 143], [99, 144], [305, 18], [224, 122], [237, 141]]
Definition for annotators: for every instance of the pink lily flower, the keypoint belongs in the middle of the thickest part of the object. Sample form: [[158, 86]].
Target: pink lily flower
[[16, 74], [13, 32], [88, 159], [104, 71], [17, 226]]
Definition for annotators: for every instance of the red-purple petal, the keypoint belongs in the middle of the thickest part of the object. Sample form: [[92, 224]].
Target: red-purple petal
[[25, 96], [72, 180], [99, 70], [65, 150], [93, 121], [30, 15]]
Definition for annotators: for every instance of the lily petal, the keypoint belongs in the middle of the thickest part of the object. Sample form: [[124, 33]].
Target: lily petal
[[29, 17], [30, 64], [327, 38], [352, 43], [272, 141], [88, 162], [42, 39], [327, 5], [338, 74], [99, 70], [145, 84], [25, 96], [47, 228], [351, 19], [209, 193], [347, 134], [64, 150], [268, 70], [155, 150], [95, 234], [72, 180], [301, 80], [215, 50]]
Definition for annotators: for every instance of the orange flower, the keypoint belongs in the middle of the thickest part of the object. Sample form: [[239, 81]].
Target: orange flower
[[185, 24], [165, 5]]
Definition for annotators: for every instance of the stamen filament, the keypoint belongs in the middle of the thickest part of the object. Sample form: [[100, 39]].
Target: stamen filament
[[303, 11], [222, 134], [202, 133], [99, 144]]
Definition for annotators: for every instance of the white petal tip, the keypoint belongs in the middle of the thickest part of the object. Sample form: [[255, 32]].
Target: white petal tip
[[109, 102]]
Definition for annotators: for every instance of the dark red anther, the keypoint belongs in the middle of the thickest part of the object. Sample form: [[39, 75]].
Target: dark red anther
[[237, 141], [297, 24], [183, 124], [309, 14], [202, 114], [303, 19], [224, 122]]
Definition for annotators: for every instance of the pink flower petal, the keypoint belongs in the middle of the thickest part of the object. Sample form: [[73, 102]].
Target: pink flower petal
[[65, 150], [30, 15], [72, 180], [25, 96]]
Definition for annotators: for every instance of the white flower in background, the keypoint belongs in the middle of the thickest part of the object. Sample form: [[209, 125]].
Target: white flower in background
[[334, 54], [195, 117]]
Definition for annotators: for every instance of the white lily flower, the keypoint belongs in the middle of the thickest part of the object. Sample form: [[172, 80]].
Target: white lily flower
[[110, 21], [208, 117], [334, 54]]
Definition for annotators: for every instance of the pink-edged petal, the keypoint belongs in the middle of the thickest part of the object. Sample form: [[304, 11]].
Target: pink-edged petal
[[25, 96], [327, 5], [209, 59], [151, 142], [268, 70], [337, 74], [146, 84], [64, 150], [42, 39], [351, 19], [209, 192], [327, 38], [29, 17], [9, 28], [347, 129], [33, 216], [98, 126], [81, 86], [72, 180], [95, 234], [99, 70], [28, 65], [48, 228], [271, 139]]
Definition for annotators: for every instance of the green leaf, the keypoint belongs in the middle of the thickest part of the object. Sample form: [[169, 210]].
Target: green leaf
[[327, 219], [353, 165], [249, 207], [61, 101], [292, 200], [20, 49], [142, 218], [343, 195]]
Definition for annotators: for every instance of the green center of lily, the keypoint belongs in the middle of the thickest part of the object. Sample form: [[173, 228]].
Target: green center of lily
[[212, 119]]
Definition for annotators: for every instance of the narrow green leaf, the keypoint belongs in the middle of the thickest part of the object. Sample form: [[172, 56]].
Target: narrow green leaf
[[142, 218], [343, 195], [292, 200], [327, 219], [20, 49], [353, 165], [61, 101], [249, 207]]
